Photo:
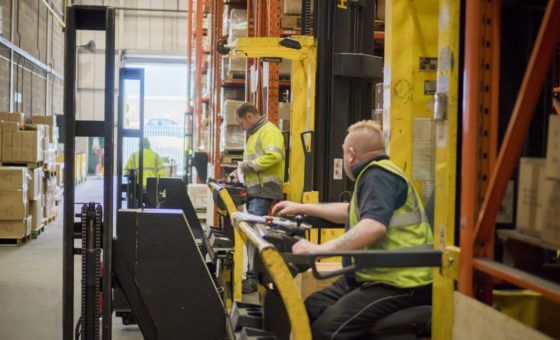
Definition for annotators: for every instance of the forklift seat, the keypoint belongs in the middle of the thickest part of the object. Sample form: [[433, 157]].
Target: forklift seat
[[413, 322], [409, 323]]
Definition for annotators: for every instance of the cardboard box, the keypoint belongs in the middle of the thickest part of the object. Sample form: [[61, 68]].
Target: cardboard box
[[12, 117], [380, 10], [11, 126], [553, 148], [13, 177], [50, 121], [308, 284], [13, 204], [35, 187], [290, 22], [22, 145], [15, 229], [530, 193], [291, 7], [551, 203], [36, 211]]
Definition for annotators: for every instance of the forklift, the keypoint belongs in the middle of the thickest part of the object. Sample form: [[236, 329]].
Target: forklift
[[155, 265]]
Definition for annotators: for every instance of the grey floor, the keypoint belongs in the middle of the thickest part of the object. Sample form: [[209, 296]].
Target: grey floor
[[31, 283]]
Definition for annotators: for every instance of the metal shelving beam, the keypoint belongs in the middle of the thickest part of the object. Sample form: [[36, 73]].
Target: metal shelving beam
[[480, 203]]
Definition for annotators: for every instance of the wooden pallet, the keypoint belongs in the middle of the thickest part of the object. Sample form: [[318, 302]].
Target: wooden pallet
[[49, 219], [36, 232], [14, 242], [30, 165]]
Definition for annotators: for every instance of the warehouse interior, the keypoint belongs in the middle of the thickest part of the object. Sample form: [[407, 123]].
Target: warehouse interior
[[230, 169]]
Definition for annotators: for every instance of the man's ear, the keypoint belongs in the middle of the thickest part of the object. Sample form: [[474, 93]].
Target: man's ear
[[351, 154]]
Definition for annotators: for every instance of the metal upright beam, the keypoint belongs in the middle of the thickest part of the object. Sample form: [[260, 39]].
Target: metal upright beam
[[69, 159], [108, 174], [273, 68], [199, 65], [96, 18]]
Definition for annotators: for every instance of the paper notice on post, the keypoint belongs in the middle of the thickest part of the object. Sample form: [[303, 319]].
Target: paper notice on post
[[423, 149]]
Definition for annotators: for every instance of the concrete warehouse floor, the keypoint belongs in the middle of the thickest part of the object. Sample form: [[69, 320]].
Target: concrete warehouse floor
[[31, 283]]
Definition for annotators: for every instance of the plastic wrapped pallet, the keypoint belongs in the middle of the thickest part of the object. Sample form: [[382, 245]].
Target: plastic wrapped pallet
[[228, 111], [232, 93], [237, 24], [35, 184], [284, 110], [232, 137], [198, 193], [233, 68], [13, 193], [36, 211]]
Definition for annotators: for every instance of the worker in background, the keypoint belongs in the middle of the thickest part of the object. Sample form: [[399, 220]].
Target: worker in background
[[385, 213], [153, 164], [262, 169]]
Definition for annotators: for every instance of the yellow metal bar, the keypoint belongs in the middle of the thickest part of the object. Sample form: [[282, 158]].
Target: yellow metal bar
[[282, 278], [237, 248], [302, 114], [277, 269], [446, 170]]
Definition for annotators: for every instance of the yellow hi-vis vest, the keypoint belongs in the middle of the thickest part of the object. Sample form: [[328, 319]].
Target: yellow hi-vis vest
[[153, 164], [408, 228], [266, 152]]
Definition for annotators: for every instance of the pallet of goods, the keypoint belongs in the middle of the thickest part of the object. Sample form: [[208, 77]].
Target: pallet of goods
[[538, 193], [15, 221]]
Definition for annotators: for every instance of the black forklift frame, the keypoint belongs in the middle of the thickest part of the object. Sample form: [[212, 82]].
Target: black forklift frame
[[344, 41], [129, 73], [92, 18]]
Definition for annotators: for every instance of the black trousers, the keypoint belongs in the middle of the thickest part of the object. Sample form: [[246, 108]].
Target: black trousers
[[348, 310]]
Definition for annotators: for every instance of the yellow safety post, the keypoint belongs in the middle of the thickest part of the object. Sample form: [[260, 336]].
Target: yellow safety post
[[411, 49], [446, 120]]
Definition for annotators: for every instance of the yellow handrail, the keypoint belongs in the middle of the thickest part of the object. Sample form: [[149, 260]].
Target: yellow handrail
[[276, 267]]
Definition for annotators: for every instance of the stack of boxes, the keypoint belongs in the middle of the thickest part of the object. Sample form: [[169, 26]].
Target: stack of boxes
[[30, 175], [15, 223], [232, 137], [291, 14], [538, 195], [236, 26]]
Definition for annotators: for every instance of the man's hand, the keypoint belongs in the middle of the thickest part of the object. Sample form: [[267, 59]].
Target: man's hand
[[233, 177], [304, 247], [287, 208]]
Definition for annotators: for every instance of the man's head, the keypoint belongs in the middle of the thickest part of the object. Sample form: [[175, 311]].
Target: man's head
[[247, 116], [364, 141], [146, 142]]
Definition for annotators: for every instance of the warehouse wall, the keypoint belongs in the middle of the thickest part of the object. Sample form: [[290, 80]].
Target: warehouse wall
[[37, 32], [136, 30]]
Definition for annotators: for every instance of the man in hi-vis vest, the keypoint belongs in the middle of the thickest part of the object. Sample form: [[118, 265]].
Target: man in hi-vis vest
[[262, 169], [153, 164], [386, 213]]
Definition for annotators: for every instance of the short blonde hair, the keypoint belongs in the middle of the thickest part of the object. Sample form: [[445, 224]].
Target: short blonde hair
[[368, 126]]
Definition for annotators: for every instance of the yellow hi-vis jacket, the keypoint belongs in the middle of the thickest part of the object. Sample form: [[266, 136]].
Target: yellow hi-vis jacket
[[265, 154], [153, 164], [408, 228]]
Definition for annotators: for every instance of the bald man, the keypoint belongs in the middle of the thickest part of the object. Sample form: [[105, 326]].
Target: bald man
[[385, 213]]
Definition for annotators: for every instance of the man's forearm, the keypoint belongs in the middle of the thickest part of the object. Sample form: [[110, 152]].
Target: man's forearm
[[363, 234], [334, 212]]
